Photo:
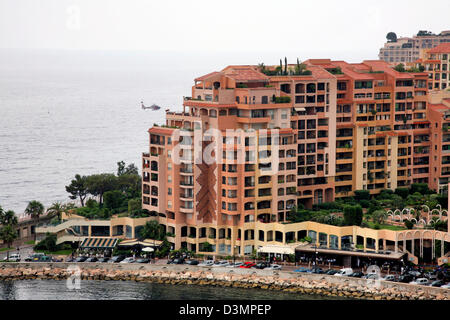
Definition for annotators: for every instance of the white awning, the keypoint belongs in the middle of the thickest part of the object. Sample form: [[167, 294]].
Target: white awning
[[300, 109], [277, 249]]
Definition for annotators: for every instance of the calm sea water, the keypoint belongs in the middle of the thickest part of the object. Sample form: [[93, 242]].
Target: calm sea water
[[118, 290]]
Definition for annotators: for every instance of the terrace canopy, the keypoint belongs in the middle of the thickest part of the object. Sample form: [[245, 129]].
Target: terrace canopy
[[380, 255], [98, 243], [277, 249], [144, 243]]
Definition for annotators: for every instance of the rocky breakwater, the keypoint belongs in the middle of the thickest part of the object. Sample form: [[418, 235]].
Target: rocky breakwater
[[323, 285]]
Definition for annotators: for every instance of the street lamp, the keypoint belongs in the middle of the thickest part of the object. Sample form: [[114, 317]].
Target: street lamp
[[315, 254]]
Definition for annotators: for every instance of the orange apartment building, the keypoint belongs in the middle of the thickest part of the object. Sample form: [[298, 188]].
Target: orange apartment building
[[286, 140], [437, 64], [439, 116], [382, 131]]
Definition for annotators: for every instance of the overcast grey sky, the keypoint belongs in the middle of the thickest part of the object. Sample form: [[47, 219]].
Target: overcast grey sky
[[323, 28]]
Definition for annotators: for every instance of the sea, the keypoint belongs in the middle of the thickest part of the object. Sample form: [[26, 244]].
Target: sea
[[130, 290]]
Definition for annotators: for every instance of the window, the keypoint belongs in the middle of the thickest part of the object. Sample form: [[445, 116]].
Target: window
[[363, 84]]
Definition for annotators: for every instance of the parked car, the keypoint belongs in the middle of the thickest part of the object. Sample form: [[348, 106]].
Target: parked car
[[248, 265], [116, 259], [372, 276], [70, 259], [14, 257], [274, 267], [431, 276], [192, 262], [81, 259], [421, 281], [220, 264], [357, 274], [316, 270], [446, 276], [91, 259], [206, 263], [301, 269], [415, 273], [446, 286], [56, 259], [143, 260], [104, 259], [128, 260], [44, 259], [331, 272], [389, 277], [235, 265], [344, 272], [262, 265], [33, 257], [178, 261], [406, 278], [437, 283]]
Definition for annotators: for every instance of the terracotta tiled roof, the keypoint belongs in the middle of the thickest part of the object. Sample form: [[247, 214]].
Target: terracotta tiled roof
[[161, 130], [379, 65], [198, 103], [206, 76], [244, 73], [349, 70], [442, 48], [295, 78]]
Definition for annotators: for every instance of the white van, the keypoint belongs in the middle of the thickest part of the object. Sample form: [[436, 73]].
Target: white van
[[421, 281], [344, 272], [14, 257]]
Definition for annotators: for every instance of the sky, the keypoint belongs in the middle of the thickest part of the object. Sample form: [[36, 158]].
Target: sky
[[315, 29]]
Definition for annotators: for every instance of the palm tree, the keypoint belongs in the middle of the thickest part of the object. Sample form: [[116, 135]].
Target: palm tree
[[8, 232], [56, 210], [34, 210]]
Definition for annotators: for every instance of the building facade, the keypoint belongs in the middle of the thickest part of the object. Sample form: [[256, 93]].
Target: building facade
[[439, 116], [409, 49], [436, 63], [281, 141]]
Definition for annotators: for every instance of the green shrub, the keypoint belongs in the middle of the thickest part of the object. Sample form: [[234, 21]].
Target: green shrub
[[421, 188], [113, 199], [362, 195], [134, 204], [284, 99], [442, 200], [385, 194], [409, 224], [47, 244], [402, 192], [353, 215], [91, 203], [364, 203]]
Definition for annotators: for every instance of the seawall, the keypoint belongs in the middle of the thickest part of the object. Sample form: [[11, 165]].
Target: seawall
[[303, 283]]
